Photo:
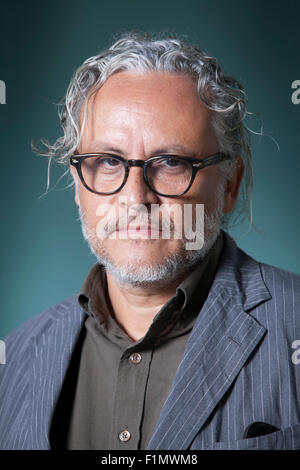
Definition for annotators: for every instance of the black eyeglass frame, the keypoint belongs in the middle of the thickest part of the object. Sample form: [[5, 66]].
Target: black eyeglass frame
[[196, 164]]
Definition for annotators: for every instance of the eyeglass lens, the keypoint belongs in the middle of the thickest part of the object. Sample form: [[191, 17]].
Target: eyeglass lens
[[167, 175]]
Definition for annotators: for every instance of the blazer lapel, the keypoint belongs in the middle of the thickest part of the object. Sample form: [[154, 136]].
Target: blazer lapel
[[49, 368], [221, 341]]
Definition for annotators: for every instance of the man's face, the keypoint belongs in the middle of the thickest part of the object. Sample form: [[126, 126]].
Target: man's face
[[138, 116]]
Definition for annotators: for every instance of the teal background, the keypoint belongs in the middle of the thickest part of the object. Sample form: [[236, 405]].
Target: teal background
[[44, 257]]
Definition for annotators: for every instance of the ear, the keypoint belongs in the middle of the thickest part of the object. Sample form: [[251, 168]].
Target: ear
[[233, 186], [75, 178]]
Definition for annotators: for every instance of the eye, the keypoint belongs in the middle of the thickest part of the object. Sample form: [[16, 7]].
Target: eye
[[102, 163], [109, 162], [172, 162]]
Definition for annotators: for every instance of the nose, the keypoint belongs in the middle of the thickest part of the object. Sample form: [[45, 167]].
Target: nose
[[136, 188]]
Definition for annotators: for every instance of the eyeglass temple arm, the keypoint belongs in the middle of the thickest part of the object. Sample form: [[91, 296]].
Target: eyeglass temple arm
[[211, 160]]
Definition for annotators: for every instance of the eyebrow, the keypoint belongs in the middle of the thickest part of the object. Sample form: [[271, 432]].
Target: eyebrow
[[102, 146]]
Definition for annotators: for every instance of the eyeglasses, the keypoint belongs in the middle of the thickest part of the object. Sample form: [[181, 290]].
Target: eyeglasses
[[166, 175]]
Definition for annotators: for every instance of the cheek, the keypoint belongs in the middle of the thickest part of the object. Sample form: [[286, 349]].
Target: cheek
[[89, 204], [205, 187], [98, 209]]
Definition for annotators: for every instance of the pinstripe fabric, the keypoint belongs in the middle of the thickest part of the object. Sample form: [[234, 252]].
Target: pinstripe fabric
[[236, 368], [37, 355]]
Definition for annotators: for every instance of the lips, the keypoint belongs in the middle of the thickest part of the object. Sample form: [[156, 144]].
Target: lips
[[138, 228]]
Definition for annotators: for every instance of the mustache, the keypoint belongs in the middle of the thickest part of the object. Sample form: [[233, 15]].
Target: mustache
[[108, 226], [175, 221]]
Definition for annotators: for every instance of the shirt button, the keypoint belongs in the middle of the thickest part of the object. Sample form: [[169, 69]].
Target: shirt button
[[135, 358], [124, 436]]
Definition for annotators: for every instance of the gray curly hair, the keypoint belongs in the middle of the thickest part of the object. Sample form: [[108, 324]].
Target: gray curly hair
[[142, 52]]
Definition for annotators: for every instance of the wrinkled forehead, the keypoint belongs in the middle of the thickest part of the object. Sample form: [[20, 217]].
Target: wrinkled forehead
[[158, 101]]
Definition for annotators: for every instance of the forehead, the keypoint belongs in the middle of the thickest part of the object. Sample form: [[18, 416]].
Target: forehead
[[161, 102]]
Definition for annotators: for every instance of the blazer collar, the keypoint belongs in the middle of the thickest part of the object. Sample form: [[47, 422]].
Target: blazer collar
[[223, 337]]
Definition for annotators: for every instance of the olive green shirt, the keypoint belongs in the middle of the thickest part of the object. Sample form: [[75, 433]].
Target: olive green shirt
[[122, 384]]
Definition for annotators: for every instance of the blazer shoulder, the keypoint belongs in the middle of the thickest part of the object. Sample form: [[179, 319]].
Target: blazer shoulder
[[19, 337], [282, 309], [277, 278], [19, 343]]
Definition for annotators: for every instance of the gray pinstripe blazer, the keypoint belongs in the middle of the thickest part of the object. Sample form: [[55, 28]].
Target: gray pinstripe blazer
[[237, 367]]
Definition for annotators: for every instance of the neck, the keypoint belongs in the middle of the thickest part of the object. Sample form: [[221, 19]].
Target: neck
[[135, 307]]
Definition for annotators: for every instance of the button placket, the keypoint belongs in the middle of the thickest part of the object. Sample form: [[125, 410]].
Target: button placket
[[129, 394]]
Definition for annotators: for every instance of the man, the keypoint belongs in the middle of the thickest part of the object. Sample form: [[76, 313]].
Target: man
[[177, 339]]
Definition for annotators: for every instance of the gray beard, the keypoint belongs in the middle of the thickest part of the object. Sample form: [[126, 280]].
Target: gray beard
[[171, 267]]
